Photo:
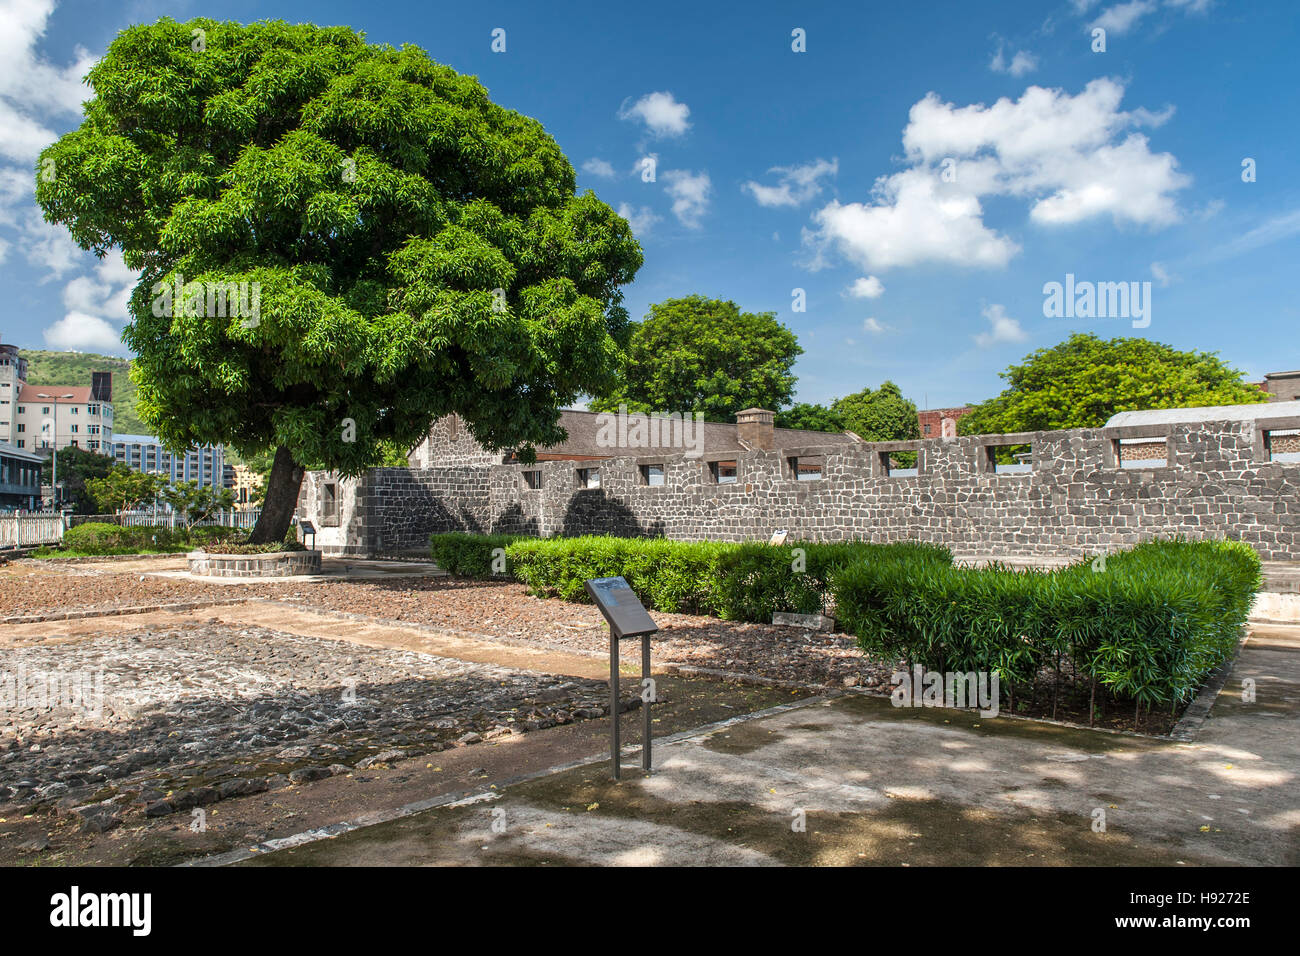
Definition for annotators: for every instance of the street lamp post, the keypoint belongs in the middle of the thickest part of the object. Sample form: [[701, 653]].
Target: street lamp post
[[54, 456]]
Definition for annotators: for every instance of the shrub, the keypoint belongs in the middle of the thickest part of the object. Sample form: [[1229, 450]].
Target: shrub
[[96, 537], [243, 547], [742, 582], [206, 534], [1148, 624], [672, 576], [469, 555]]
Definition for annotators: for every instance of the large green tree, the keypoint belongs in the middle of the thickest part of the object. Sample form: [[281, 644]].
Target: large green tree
[[1083, 381], [417, 249], [882, 414], [704, 355]]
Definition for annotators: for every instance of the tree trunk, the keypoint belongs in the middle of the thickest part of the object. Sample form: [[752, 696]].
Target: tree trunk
[[280, 500]]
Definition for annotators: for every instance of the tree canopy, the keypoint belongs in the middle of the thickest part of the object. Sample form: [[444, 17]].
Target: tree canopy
[[696, 354], [409, 248], [810, 416], [1083, 381], [124, 487], [879, 415], [76, 467]]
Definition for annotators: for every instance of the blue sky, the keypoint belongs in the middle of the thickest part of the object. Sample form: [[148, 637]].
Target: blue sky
[[920, 171]]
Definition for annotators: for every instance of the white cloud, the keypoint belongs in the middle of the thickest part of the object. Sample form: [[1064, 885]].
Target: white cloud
[[31, 87], [1021, 63], [108, 294], [639, 219], [1120, 18], [1161, 274], [1003, 328], [867, 287], [1280, 227], [83, 333], [874, 327], [909, 222], [690, 194], [598, 167], [49, 246], [1123, 17], [1071, 158], [661, 113], [796, 184]]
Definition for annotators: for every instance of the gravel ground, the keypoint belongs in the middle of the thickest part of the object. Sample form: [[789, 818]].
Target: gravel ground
[[487, 608], [167, 720]]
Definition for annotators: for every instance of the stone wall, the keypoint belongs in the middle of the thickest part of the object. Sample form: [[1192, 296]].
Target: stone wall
[[1076, 498], [391, 510]]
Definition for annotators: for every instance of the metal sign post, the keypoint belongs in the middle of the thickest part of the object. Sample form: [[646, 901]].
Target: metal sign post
[[627, 617]]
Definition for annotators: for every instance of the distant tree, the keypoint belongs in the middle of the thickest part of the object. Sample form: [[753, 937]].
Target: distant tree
[[76, 466], [124, 487], [817, 418], [415, 249], [880, 415], [704, 355], [195, 502], [1083, 381]]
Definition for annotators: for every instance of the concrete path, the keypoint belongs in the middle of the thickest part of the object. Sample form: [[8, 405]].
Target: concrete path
[[853, 780]]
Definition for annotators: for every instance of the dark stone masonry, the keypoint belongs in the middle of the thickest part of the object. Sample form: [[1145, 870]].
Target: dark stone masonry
[[1077, 493]]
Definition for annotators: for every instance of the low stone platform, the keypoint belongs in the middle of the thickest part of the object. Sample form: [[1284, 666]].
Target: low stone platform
[[277, 564]]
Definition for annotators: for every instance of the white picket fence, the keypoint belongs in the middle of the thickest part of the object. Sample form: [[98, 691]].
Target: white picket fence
[[23, 530], [168, 519]]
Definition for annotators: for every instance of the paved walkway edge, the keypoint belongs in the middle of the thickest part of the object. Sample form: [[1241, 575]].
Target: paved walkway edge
[[464, 797], [1189, 725]]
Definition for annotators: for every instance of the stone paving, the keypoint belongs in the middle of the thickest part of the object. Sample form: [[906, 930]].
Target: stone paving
[[851, 780], [166, 719]]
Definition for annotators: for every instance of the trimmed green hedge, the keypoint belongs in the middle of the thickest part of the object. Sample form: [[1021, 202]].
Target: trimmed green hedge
[[96, 537], [741, 582], [1147, 624], [99, 537], [469, 555]]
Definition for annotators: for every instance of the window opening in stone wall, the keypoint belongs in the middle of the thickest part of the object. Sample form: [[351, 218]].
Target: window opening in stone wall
[[724, 472], [1008, 459], [807, 467], [900, 464], [1142, 452], [1283, 444]]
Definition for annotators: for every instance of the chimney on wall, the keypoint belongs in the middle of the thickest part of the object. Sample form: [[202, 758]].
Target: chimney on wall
[[756, 427]]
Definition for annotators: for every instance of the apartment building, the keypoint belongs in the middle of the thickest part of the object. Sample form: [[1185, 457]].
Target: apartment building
[[13, 373], [56, 416], [202, 464]]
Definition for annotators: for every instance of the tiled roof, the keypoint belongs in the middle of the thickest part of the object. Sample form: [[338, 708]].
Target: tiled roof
[[584, 426], [32, 393]]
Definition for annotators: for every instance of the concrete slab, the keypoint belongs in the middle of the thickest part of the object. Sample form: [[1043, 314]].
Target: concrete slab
[[853, 780]]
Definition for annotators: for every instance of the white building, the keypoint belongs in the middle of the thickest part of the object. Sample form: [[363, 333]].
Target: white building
[[56, 416]]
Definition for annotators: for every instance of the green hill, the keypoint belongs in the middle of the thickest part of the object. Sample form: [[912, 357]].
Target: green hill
[[74, 368]]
